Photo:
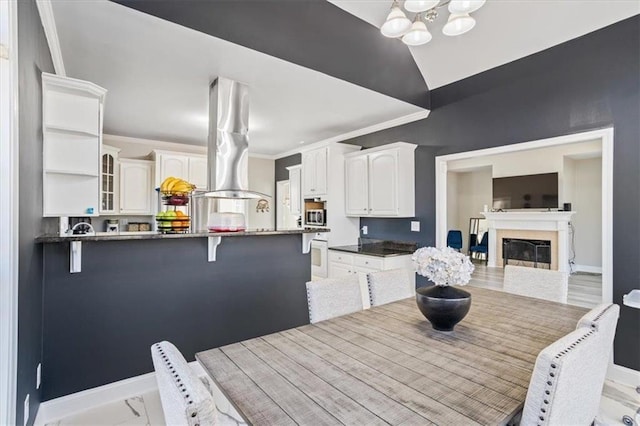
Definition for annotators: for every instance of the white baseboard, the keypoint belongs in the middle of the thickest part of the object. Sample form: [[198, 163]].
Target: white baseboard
[[67, 405], [587, 268], [623, 375]]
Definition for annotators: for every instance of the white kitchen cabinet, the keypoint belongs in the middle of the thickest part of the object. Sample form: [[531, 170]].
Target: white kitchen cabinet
[[380, 182], [295, 189], [198, 171], [314, 173], [357, 186], [72, 138], [110, 181], [136, 187], [187, 166], [342, 264]]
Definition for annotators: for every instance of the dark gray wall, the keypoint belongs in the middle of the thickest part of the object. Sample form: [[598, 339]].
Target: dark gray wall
[[587, 83], [282, 163], [312, 33], [281, 171], [100, 323], [33, 58]]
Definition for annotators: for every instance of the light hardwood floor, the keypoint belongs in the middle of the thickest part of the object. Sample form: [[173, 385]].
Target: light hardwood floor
[[584, 288]]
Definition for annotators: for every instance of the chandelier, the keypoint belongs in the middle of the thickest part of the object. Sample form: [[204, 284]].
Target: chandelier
[[416, 33]]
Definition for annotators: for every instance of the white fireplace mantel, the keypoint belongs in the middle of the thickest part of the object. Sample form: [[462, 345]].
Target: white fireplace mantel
[[557, 221]]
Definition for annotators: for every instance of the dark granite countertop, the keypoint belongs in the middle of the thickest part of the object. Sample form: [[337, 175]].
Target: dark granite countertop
[[103, 236], [379, 248]]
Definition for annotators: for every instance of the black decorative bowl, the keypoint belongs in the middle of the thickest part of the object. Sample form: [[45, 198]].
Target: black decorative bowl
[[444, 307]]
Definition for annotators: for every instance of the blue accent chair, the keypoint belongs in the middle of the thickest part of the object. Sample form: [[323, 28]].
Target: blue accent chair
[[483, 247], [454, 239]]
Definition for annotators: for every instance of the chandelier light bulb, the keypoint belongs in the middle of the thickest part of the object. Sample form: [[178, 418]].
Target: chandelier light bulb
[[396, 24], [458, 24], [420, 5], [418, 34], [460, 7]]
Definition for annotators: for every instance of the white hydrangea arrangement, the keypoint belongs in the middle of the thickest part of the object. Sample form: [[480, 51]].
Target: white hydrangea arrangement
[[443, 266]]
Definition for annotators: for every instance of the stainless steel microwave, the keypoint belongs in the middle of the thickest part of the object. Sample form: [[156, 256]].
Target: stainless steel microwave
[[316, 217]]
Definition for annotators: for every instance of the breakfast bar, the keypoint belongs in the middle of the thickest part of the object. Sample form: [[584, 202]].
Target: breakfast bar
[[134, 290]]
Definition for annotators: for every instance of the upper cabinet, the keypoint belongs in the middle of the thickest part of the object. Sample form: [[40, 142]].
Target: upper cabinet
[[136, 187], [381, 181], [72, 137], [190, 167], [295, 194], [109, 181], [314, 173]]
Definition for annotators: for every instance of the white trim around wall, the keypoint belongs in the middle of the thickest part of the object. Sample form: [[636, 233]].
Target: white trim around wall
[[69, 405], [409, 118], [606, 138], [45, 9], [616, 372], [8, 211]]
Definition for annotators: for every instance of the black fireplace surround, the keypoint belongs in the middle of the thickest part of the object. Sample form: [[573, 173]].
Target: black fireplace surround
[[535, 251]]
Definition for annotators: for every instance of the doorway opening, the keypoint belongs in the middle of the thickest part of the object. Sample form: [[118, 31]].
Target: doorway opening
[[584, 162]]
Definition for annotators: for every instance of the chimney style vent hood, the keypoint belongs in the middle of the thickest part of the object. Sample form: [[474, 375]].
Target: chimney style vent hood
[[228, 145]]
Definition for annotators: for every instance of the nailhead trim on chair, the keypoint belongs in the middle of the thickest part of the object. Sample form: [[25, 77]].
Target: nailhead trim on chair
[[550, 383], [178, 381], [597, 317], [369, 290], [309, 305]]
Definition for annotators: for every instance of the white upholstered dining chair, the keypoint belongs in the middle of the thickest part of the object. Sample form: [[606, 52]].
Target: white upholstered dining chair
[[333, 297], [568, 377], [185, 398], [535, 282], [389, 286]]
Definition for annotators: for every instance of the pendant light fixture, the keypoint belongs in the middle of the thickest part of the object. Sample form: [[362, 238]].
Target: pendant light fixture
[[465, 6], [458, 24], [418, 34], [398, 25], [420, 5]]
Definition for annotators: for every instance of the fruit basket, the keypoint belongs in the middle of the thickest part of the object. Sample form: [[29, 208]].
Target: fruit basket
[[175, 193], [173, 222]]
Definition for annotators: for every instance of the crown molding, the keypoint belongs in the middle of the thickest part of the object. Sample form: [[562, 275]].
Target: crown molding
[[169, 147], [409, 118], [49, 24]]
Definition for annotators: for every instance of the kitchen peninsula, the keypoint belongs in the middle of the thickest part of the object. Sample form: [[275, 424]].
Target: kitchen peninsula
[[135, 290]]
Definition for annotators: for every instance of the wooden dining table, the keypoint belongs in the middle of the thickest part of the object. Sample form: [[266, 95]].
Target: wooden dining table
[[387, 365]]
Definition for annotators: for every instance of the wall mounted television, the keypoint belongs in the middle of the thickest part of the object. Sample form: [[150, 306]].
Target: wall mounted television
[[538, 191]]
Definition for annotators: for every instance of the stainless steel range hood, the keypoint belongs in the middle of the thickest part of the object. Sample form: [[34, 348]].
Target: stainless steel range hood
[[228, 145]]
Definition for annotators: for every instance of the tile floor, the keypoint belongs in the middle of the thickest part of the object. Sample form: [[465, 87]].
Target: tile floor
[[584, 290]]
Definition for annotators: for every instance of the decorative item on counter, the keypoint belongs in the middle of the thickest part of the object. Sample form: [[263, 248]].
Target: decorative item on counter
[[226, 222], [176, 193], [443, 305], [173, 222], [112, 225], [144, 226], [133, 227], [262, 206]]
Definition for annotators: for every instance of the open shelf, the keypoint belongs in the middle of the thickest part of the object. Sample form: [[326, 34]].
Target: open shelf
[[71, 172], [69, 131]]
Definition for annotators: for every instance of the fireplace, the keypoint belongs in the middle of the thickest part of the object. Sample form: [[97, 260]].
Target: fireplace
[[546, 226], [529, 252]]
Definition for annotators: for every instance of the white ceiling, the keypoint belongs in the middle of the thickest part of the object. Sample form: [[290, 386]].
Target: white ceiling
[[505, 30], [157, 75]]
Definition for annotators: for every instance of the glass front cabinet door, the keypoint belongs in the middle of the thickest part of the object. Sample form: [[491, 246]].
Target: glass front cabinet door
[[108, 184]]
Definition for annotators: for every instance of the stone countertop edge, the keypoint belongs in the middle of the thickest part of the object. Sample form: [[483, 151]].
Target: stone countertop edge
[[365, 252], [52, 238]]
